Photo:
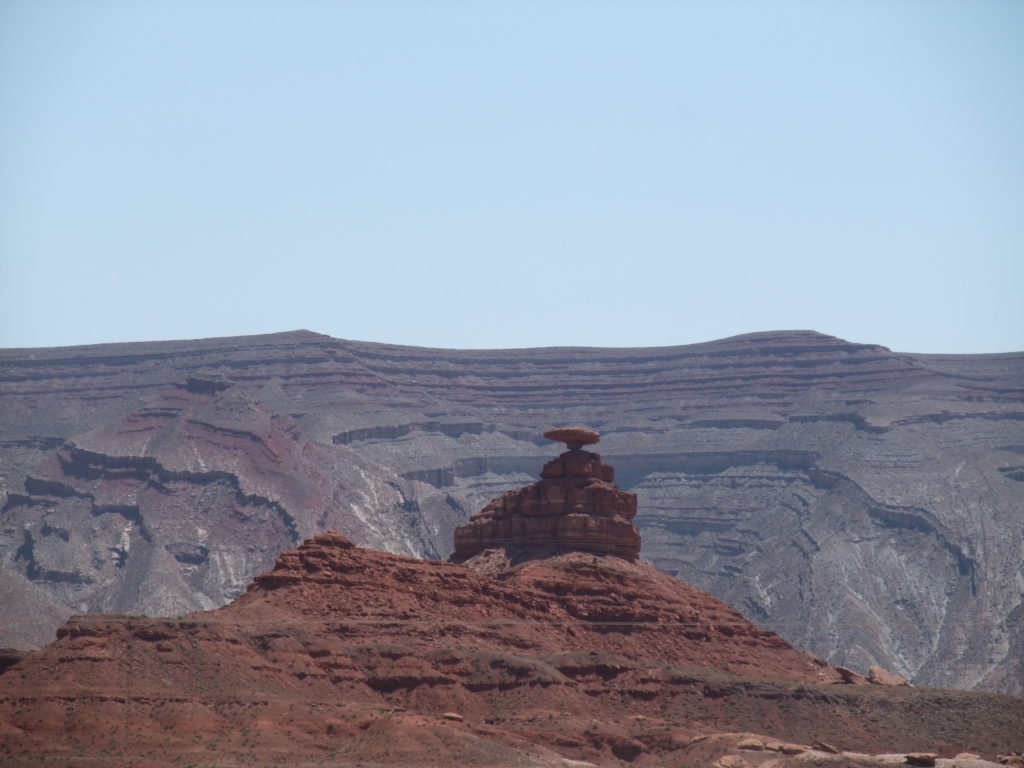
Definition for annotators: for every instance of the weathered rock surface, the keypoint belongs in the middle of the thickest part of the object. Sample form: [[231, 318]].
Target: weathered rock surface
[[574, 437], [863, 503], [340, 655], [173, 507], [852, 678], [880, 676], [575, 507]]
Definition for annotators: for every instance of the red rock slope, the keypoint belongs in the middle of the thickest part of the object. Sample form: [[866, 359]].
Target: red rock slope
[[340, 654]]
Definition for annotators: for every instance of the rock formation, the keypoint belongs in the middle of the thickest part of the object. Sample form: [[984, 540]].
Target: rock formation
[[880, 676], [575, 507], [863, 503], [344, 656]]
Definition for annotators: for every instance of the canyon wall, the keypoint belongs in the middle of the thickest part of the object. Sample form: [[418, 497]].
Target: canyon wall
[[865, 504]]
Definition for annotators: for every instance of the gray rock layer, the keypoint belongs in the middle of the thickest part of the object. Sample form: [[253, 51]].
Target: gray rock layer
[[865, 504]]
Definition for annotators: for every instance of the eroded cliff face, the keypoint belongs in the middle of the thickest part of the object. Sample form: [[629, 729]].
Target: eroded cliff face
[[175, 506], [863, 503]]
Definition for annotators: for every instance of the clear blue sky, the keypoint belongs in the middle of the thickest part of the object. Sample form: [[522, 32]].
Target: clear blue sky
[[512, 173]]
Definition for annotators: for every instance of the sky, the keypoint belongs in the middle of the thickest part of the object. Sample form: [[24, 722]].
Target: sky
[[513, 173]]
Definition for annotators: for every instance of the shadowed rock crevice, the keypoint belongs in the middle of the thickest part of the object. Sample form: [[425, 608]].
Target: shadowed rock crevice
[[89, 465], [391, 433]]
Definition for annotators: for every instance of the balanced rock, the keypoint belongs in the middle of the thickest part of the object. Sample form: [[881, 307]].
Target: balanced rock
[[575, 506], [574, 437]]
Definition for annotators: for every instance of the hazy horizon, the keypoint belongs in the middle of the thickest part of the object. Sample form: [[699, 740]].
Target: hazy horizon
[[499, 349], [513, 175]]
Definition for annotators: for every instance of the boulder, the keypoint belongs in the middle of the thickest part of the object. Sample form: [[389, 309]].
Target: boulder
[[850, 677], [574, 437], [880, 676], [731, 761]]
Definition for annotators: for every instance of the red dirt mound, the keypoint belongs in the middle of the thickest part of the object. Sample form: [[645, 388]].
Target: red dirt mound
[[340, 655]]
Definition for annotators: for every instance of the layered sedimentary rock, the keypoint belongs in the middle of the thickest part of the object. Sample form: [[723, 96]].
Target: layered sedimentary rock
[[343, 656], [574, 507], [174, 506], [862, 502]]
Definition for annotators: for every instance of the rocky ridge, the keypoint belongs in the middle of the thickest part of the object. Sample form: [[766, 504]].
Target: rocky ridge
[[861, 502], [341, 655]]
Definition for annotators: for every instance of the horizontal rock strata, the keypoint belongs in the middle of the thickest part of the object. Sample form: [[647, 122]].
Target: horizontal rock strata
[[862, 502], [575, 507]]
